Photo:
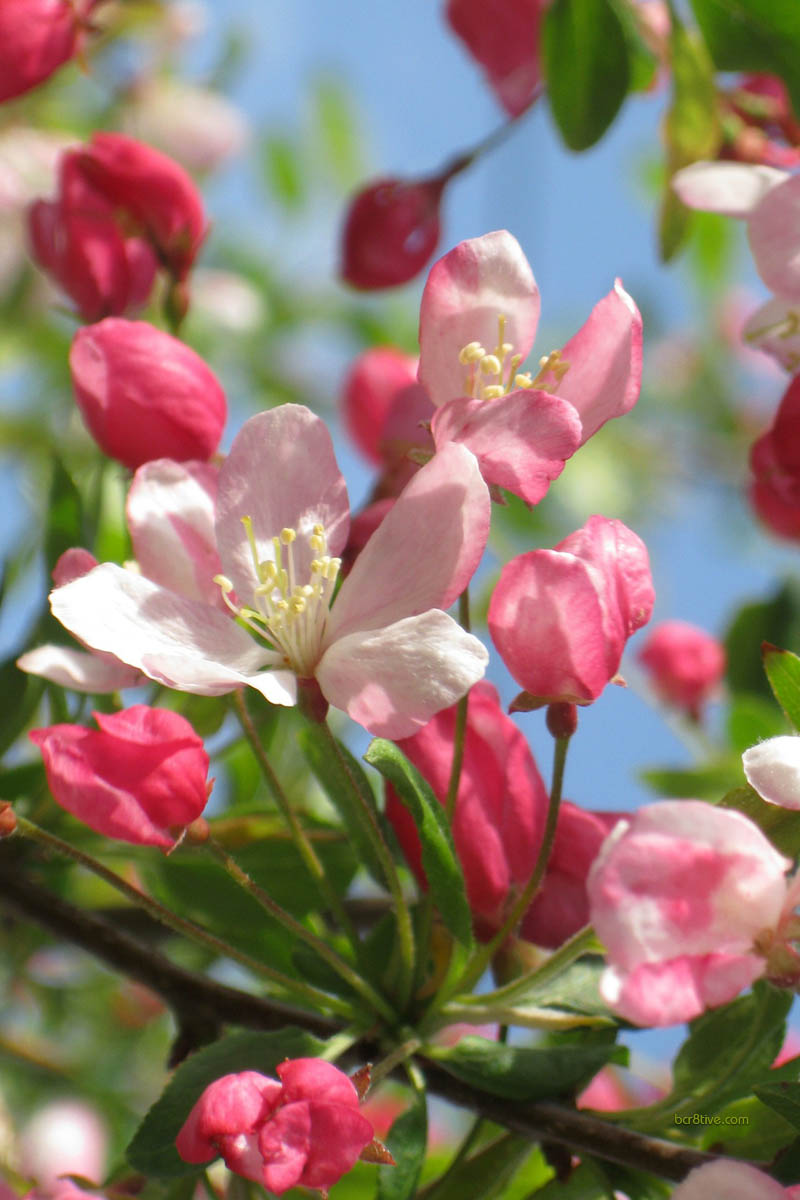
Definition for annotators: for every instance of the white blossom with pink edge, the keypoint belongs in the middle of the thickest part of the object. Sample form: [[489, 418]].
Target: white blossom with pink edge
[[773, 769], [729, 1180], [478, 321], [385, 652], [693, 904]]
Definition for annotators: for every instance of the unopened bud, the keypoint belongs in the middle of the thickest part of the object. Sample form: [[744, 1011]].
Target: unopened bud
[[391, 230], [8, 820]]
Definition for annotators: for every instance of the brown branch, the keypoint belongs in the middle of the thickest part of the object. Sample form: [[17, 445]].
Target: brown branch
[[202, 1006]]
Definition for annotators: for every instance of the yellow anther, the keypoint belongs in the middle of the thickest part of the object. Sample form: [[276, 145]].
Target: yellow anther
[[316, 542], [333, 567], [490, 364], [471, 353], [288, 536], [297, 605], [318, 529], [544, 361], [224, 583], [505, 349], [523, 381], [492, 392], [282, 605]]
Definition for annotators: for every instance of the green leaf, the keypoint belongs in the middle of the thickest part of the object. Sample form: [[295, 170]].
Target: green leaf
[[783, 673], [783, 1098], [21, 694], [747, 1129], [635, 1184], [775, 620], [439, 860], [152, 1150], [588, 1182], [336, 132], [338, 787], [587, 68], [779, 824], [526, 1072], [488, 1173], [64, 515], [283, 172], [695, 783], [754, 35], [751, 719], [407, 1140]]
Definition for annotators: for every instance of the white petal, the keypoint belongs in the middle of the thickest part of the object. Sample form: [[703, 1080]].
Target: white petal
[[733, 189], [773, 769], [79, 670]]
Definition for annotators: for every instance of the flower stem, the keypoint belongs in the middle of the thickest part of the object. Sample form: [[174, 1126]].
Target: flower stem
[[399, 1055], [326, 952], [405, 931], [313, 865], [460, 734], [302, 991]]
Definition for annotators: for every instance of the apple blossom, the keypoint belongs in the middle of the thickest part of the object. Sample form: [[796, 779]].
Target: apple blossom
[[498, 822], [390, 231], [775, 329], [693, 905], [731, 1180], [144, 394], [36, 38], [775, 462], [773, 768], [503, 36], [197, 127], [64, 1137], [142, 773], [385, 652], [560, 618], [520, 427], [684, 663], [305, 1130]]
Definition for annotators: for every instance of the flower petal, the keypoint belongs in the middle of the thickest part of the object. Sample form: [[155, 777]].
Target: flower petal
[[733, 1180], [774, 234], [732, 189], [668, 993], [170, 511], [338, 1135], [393, 680], [425, 550], [285, 1141], [773, 769], [180, 642], [521, 440], [79, 670], [467, 290], [281, 472], [605, 362], [774, 328]]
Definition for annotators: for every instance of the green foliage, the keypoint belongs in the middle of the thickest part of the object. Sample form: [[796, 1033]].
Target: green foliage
[[779, 824], [488, 1173], [284, 173], [439, 859], [587, 68], [783, 672], [408, 1141], [775, 620], [754, 35]]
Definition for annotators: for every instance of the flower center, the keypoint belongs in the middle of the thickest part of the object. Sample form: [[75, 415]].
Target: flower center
[[489, 375], [287, 612]]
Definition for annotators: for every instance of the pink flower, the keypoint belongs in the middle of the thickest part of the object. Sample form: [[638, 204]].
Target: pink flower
[[143, 773], [775, 329], [36, 38], [773, 769], [383, 405], [503, 36], [306, 1130], [385, 652], [733, 1180], [64, 1137], [144, 394], [390, 231], [478, 321], [691, 902], [498, 822], [685, 664], [775, 462], [560, 618]]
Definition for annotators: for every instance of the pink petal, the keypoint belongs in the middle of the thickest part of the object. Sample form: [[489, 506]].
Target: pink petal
[[733, 189], [667, 993], [423, 553], [230, 1105], [505, 41], [520, 440], [375, 381], [466, 291], [285, 1142], [393, 680], [605, 362], [338, 1135], [78, 670], [180, 642], [170, 512], [731, 1180], [774, 234], [281, 472], [316, 1080]]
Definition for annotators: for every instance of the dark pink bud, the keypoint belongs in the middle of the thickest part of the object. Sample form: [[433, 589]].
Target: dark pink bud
[[72, 564], [391, 230], [503, 36], [141, 774], [145, 395], [375, 381], [685, 664], [775, 462], [158, 197], [36, 38]]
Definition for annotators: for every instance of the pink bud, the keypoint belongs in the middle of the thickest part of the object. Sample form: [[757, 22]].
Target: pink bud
[[390, 231], [145, 395], [684, 663], [36, 38], [560, 618], [72, 564], [306, 1130], [773, 769], [376, 382], [154, 192], [503, 36], [143, 773]]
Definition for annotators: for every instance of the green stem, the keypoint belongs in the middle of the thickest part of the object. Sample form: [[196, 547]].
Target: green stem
[[399, 1055], [196, 933], [326, 952], [583, 942], [405, 930], [299, 836], [460, 734]]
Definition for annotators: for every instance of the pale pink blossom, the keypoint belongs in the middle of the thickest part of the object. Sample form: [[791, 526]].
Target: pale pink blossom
[[306, 1130], [198, 128], [560, 618], [478, 321], [775, 329], [727, 1179], [64, 1137], [385, 652], [692, 904], [773, 769]]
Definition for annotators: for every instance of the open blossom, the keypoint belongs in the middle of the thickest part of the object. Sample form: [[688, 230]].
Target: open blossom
[[141, 774], [498, 822], [685, 664], [773, 768], [144, 394], [503, 36], [36, 38], [693, 905], [561, 618], [305, 1130], [385, 652], [733, 1181], [478, 321]]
